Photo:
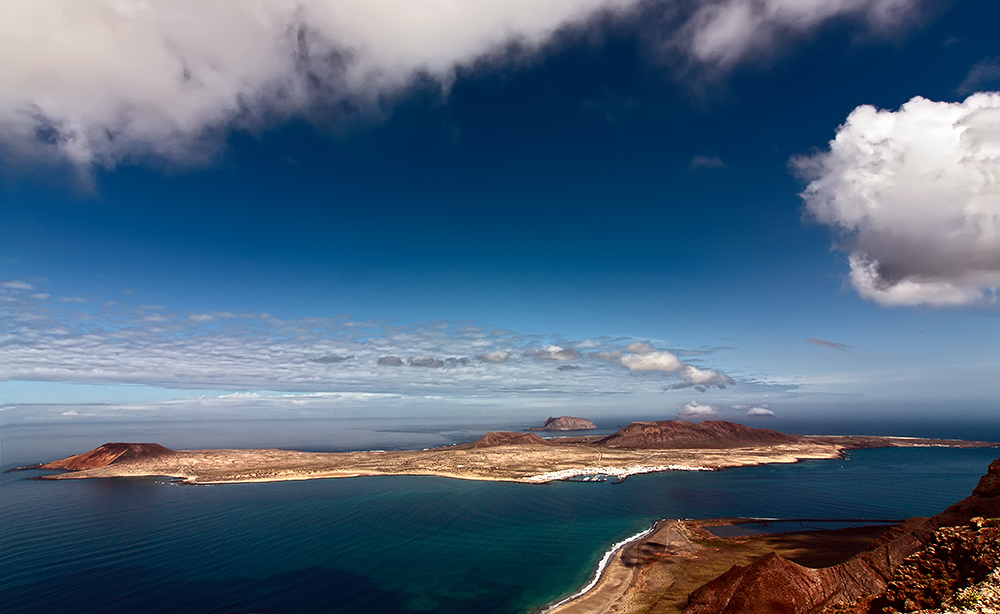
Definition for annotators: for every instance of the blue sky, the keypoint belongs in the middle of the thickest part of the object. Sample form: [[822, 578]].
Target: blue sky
[[614, 208]]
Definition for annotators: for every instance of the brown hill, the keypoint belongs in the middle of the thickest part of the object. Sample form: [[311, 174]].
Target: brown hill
[[109, 453], [775, 585], [494, 439], [679, 434], [565, 423]]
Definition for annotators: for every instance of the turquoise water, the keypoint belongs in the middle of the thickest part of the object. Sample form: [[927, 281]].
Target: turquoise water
[[402, 544]]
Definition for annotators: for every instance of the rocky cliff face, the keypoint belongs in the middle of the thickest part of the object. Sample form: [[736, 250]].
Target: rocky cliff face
[[879, 580], [678, 434], [109, 453], [565, 423]]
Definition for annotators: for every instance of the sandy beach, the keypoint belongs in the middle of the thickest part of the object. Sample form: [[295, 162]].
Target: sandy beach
[[655, 572]]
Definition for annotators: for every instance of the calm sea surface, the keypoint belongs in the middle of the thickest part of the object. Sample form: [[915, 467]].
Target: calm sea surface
[[402, 544]]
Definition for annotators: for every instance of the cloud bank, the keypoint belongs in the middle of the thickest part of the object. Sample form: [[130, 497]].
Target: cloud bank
[[48, 340], [103, 82], [914, 197]]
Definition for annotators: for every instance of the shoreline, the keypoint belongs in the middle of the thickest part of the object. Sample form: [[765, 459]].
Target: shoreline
[[688, 545], [602, 567]]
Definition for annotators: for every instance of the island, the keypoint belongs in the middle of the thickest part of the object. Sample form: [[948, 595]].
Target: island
[[640, 447], [565, 423]]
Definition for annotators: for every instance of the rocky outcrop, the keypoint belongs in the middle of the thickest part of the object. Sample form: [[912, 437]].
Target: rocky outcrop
[[107, 454], [877, 580], [495, 439], [565, 423], [954, 559], [679, 434]]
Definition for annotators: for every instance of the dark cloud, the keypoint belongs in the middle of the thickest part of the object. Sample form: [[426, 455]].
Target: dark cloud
[[426, 361], [390, 361], [332, 359]]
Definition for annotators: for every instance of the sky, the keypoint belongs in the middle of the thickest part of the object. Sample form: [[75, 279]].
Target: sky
[[758, 210]]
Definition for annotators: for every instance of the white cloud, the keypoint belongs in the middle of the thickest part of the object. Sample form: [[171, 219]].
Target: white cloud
[[102, 82], [915, 196], [17, 285], [41, 295], [701, 379], [755, 411], [697, 411], [652, 361], [639, 347], [554, 352], [729, 32], [665, 362]]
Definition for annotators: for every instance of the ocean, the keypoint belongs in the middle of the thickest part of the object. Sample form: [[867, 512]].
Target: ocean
[[401, 543]]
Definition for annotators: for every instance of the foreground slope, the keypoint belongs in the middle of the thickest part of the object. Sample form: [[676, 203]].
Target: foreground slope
[[872, 580]]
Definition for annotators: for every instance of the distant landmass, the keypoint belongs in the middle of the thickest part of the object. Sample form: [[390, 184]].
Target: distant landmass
[[640, 447], [565, 423]]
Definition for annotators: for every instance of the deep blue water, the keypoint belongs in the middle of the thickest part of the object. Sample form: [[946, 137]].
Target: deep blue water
[[402, 544]]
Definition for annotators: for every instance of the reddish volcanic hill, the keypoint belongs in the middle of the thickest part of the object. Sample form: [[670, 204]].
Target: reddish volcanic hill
[[565, 423], [109, 453], [669, 434], [773, 584], [494, 439]]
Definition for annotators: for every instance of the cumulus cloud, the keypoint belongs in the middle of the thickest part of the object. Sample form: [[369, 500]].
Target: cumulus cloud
[[697, 411], [728, 32], [390, 361], [112, 82], [755, 411], [426, 361], [828, 344], [607, 356], [639, 347], [914, 196], [497, 357], [554, 352], [701, 379], [652, 361], [666, 362]]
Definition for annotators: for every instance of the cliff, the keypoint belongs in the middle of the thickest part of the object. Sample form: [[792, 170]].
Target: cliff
[[565, 423], [109, 453], [874, 581], [710, 434]]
